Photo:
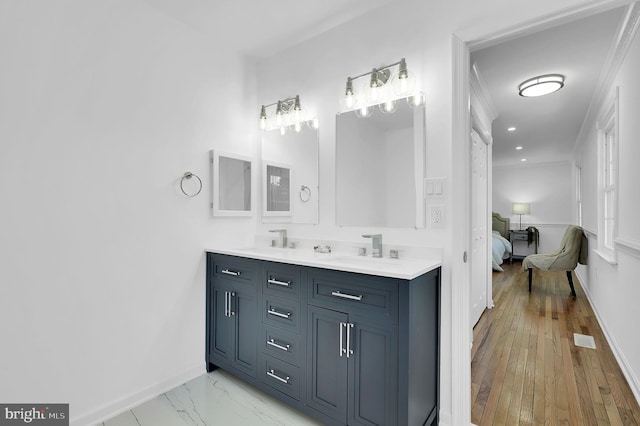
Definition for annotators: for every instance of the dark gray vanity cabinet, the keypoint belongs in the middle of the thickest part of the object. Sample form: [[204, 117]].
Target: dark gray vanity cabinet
[[353, 340], [232, 314], [346, 348]]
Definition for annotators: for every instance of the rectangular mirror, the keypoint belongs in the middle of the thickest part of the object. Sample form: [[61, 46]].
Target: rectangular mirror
[[380, 167], [231, 189], [290, 175]]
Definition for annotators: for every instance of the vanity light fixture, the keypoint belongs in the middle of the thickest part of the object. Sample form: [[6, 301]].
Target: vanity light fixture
[[383, 89], [288, 114], [541, 85]]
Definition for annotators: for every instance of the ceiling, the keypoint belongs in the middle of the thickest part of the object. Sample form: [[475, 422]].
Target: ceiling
[[262, 28], [547, 127]]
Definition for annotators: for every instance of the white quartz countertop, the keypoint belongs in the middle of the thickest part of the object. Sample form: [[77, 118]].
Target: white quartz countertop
[[404, 268]]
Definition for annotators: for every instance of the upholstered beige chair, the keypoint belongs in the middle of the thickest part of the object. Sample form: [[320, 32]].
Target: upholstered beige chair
[[573, 250]]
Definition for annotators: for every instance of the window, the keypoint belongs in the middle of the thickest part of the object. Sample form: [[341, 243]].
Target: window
[[608, 179]]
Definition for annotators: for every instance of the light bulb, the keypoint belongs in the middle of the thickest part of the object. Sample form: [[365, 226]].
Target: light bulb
[[315, 123], [389, 106], [416, 100], [363, 112], [297, 127], [403, 86], [283, 130], [263, 123]]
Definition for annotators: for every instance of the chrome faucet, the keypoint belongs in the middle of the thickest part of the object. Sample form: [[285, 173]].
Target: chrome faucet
[[282, 237], [376, 241]]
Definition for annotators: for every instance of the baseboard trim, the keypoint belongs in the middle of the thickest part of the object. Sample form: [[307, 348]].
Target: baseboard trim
[[113, 408], [627, 371]]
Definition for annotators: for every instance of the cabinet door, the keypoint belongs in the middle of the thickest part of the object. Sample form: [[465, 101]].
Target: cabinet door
[[327, 366], [221, 325], [373, 373], [244, 308]]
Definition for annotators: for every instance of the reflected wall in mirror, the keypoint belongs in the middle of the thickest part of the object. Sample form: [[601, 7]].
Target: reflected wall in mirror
[[276, 189], [297, 152], [231, 189], [380, 168]]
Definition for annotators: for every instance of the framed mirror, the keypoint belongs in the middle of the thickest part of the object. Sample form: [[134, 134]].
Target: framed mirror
[[231, 189], [380, 168], [290, 173]]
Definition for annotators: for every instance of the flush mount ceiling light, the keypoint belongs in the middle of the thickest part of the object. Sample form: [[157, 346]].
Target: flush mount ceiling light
[[382, 89], [541, 85], [288, 114]]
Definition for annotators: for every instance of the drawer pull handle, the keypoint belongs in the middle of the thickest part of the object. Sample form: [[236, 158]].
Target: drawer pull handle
[[338, 293], [272, 311], [229, 272], [272, 374], [277, 282], [272, 342]]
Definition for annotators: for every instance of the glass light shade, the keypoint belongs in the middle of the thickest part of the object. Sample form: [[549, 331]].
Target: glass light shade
[[402, 84], [376, 94], [315, 123], [364, 111], [297, 126], [541, 85], [389, 106], [283, 130], [521, 208], [416, 100]]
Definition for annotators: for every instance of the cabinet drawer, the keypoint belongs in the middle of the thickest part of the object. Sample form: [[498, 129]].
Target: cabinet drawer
[[357, 293], [235, 268], [281, 376], [281, 344], [519, 237], [283, 313], [282, 280]]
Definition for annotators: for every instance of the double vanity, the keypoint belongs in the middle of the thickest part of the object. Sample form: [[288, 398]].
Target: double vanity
[[348, 339]]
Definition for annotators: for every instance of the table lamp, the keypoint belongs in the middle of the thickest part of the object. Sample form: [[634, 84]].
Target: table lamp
[[520, 209]]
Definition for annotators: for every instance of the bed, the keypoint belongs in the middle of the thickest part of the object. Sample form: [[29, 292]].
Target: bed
[[500, 245]]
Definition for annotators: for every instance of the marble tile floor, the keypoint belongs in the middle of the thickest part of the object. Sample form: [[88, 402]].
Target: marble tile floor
[[215, 398]]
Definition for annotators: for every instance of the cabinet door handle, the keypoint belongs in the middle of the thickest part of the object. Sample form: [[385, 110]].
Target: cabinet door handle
[[272, 374], [272, 342], [349, 326], [231, 295], [226, 303], [278, 282], [230, 272], [338, 293], [272, 311], [342, 351]]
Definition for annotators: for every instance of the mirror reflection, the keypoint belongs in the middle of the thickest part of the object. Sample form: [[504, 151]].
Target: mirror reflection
[[290, 176], [278, 190], [380, 168], [232, 185]]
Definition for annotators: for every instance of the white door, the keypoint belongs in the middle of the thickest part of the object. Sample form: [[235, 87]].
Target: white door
[[479, 223]]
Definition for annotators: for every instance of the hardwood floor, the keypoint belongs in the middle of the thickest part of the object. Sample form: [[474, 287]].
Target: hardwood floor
[[525, 367]]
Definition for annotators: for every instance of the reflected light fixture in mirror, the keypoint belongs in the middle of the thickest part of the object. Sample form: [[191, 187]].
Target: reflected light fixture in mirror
[[288, 115], [382, 89]]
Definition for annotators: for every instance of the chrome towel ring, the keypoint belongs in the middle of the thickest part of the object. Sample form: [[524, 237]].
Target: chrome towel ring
[[305, 193], [189, 175]]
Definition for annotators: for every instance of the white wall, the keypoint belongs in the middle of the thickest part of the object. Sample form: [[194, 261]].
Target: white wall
[[103, 107], [613, 289], [549, 189]]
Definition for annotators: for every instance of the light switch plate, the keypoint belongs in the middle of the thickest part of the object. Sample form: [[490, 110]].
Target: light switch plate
[[435, 188]]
